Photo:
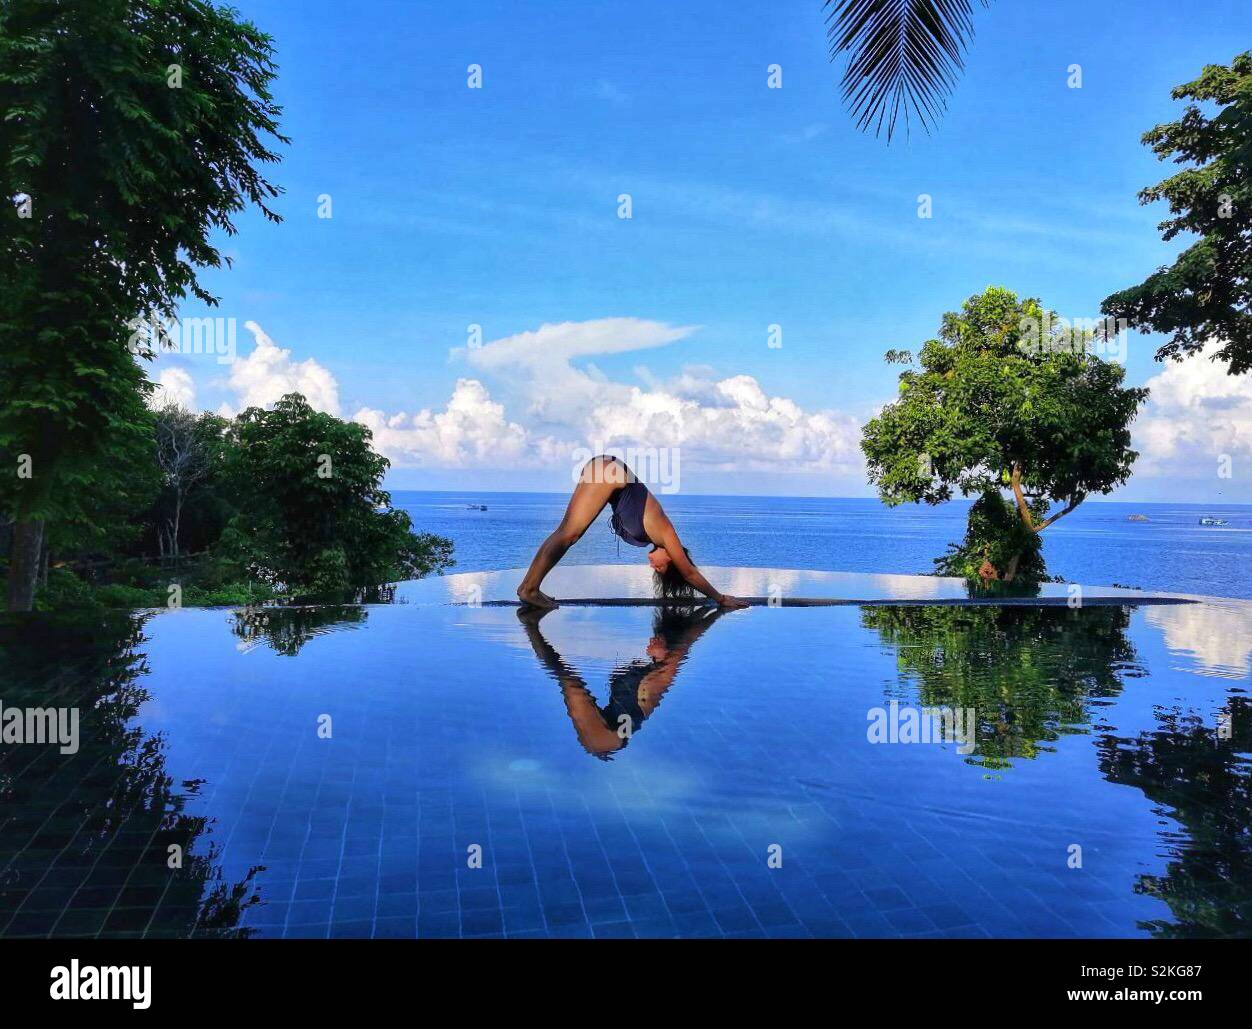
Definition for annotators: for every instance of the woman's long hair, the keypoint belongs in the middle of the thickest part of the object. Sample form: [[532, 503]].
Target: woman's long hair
[[671, 585]]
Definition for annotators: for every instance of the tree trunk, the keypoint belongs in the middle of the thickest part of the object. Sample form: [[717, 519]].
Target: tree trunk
[[178, 517], [1010, 570], [24, 564]]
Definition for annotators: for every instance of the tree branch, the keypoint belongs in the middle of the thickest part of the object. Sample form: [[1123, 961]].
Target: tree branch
[[1022, 508], [1074, 501]]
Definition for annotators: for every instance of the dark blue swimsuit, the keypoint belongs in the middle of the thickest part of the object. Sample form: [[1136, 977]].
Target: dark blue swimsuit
[[627, 521]]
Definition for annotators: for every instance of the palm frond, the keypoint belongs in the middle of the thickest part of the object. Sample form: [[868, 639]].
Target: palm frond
[[904, 57]]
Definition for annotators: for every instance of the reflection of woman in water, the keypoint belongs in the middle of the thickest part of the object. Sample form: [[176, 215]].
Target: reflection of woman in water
[[638, 519], [635, 688]]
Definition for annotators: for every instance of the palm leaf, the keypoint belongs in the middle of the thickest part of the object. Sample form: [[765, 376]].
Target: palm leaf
[[904, 57]]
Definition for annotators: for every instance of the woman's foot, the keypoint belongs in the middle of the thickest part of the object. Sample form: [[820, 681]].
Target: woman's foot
[[535, 597]]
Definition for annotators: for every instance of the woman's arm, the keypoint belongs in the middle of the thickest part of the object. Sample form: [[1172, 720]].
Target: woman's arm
[[674, 547]]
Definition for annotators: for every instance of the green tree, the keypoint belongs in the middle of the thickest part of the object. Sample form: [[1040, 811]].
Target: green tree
[[1005, 399], [1206, 294], [314, 517], [131, 132], [190, 452]]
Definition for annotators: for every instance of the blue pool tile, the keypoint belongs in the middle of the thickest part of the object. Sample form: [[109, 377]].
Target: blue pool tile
[[314, 931], [523, 919], [397, 905], [564, 915], [438, 925], [482, 922], [438, 901], [736, 920], [395, 928], [479, 898]]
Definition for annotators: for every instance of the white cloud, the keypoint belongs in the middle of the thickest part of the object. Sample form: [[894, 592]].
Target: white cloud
[[713, 422], [472, 430], [175, 385], [722, 423], [268, 373], [1194, 414], [730, 423]]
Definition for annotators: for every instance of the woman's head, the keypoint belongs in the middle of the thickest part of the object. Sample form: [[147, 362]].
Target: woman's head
[[666, 579]]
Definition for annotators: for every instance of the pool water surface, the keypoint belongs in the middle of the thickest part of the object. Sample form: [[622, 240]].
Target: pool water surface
[[440, 769]]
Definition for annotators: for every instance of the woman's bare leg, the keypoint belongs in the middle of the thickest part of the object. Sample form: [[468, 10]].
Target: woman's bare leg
[[600, 479]]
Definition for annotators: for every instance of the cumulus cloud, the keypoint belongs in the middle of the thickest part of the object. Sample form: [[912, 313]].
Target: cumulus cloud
[[1195, 414], [728, 423], [715, 422], [471, 431], [268, 373], [176, 386], [560, 408]]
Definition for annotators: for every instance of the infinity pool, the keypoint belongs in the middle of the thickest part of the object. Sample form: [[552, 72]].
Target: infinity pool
[[441, 769]]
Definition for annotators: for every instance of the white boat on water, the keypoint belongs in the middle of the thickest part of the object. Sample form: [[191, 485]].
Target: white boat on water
[[1212, 521]]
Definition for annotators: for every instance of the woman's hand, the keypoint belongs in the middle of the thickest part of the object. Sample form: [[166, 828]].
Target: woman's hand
[[730, 603]]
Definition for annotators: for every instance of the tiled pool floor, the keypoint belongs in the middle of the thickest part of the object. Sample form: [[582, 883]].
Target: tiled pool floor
[[434, 770]]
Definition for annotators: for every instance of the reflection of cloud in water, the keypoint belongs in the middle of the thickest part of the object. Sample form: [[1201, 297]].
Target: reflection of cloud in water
[[1215, 635], [757, 582], [635, 580], [579, 633]]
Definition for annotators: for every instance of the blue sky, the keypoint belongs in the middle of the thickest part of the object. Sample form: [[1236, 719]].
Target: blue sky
[[751, 207]]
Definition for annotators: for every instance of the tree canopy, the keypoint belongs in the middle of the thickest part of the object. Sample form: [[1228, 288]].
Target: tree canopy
[[131, 135], [316, 518], [1005, 398], [1206, 294]]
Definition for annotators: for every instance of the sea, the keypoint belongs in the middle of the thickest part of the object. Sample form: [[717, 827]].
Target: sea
[[1099, 544]]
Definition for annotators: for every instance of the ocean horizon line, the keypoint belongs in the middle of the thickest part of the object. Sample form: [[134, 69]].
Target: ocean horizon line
[[801, 496]]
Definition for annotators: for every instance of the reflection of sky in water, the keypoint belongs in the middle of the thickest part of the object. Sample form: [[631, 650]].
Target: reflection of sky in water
[[628, 581], [1214, 637], [450, 729]]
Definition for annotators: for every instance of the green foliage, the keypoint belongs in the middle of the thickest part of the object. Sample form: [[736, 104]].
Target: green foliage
[[995, 536], [262, 522], [203, 585], [904, 56], [1206, 294], [192, 508], [1004, 399], [127, 178], [313, 517]]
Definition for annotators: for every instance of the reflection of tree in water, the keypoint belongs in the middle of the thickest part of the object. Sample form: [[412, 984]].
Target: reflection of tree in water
[[1030, 674], [85, 838], [1202, 780], [286, 629]]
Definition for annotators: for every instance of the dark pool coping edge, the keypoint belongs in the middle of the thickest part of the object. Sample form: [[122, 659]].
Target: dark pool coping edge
[[841, 602]]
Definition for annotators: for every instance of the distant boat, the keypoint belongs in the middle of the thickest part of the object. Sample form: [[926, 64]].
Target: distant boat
[[1137, 518], [476, 507], [1212, 521]]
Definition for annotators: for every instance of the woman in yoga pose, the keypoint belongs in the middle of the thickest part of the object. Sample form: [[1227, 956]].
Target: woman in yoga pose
[[638, 519]]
